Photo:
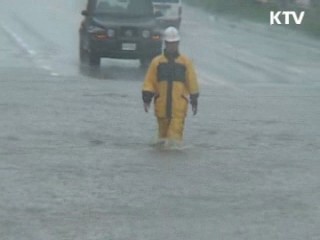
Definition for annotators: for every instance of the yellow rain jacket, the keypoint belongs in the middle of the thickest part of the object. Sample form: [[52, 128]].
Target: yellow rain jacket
[[170, 81]]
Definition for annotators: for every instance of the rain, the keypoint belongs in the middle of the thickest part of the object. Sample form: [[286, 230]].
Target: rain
[[76, 154]]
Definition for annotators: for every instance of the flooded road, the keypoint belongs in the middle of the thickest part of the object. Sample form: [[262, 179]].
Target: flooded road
[[75, 154]]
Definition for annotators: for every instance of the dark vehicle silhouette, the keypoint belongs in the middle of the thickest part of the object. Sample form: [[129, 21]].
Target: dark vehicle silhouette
[[123, 29]]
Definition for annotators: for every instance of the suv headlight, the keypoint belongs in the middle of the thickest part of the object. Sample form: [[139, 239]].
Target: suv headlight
[[95, 29], [146, 33]]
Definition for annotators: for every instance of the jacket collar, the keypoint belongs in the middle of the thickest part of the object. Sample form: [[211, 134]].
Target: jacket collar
[[171, 56]]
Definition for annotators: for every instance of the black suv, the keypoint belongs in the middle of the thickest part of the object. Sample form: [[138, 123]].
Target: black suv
[[124, 29]]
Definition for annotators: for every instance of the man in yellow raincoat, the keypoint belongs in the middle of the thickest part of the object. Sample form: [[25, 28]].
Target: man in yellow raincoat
[[171, 81]]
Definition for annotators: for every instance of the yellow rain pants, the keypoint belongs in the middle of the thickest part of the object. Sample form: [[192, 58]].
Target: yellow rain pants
[[170, 128]]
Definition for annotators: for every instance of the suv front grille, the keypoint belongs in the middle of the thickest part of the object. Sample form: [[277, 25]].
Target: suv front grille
[[129, 32]]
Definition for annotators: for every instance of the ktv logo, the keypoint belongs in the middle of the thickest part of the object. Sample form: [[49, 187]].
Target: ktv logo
[[274, 17]]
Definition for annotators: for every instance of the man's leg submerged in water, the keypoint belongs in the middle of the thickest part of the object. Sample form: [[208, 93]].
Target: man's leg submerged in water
[[171, 130]]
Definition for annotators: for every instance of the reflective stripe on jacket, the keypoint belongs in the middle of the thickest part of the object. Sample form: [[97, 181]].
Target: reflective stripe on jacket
[[170, 82]]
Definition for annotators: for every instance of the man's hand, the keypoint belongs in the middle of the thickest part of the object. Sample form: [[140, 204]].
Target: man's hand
[[194, 109], [194, 102], [146, 107], [147, 98]]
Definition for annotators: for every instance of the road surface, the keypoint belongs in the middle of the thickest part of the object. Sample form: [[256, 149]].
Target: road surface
[[75, 154]]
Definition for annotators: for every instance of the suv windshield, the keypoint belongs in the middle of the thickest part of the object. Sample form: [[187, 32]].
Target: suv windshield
[[124, 7]]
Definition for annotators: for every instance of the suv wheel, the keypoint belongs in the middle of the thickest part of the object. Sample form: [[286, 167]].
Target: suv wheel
[[144, 62], [82, 55], [94, 60]]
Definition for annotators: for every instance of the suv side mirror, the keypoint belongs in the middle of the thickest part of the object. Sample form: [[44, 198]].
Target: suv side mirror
[[158, 14], [84, 13]]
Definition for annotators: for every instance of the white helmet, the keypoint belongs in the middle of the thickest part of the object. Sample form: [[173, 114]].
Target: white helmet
[[171, 34]]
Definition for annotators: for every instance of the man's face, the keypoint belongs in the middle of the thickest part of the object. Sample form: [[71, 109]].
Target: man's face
[[172, 46]]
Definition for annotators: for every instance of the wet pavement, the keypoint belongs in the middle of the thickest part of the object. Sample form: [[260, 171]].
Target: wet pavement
[[75, 154]]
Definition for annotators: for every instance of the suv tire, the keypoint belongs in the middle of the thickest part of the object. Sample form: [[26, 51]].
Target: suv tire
[[145, 62], [82, 55], [94, 60]]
